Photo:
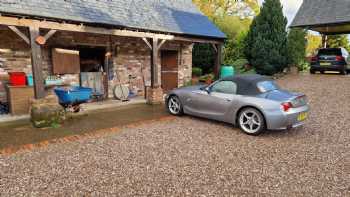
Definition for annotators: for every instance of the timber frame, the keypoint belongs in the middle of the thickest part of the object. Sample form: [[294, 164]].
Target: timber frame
[[153, 40]]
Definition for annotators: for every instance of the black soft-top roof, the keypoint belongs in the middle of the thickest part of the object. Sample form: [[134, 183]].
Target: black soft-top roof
[[247, 84]]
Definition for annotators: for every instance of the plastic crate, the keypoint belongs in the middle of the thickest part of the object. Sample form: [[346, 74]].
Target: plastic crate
[[30, 80], [17, 78]]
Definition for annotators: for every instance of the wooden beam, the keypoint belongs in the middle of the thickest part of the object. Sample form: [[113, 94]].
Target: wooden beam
[[154, 64], [161, 44], [12, 21], [19, 33], [218, 60], [214, 46], [80, 28], [39, 88], [324, 41], [198, 40], [50, 34], [147, 43]]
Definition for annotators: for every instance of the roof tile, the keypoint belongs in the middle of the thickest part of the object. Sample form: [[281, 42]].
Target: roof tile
[[172, 16]]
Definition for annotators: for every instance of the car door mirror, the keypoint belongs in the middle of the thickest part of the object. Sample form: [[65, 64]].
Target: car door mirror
[[206, 89]]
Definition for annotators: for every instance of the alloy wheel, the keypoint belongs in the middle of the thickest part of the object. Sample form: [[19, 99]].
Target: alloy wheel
[[251, 122], [174, 105]]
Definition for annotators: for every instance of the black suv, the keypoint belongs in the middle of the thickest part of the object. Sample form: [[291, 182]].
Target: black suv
[[330, 59]]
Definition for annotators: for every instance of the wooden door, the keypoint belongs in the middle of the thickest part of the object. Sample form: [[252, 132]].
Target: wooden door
[[170, 69], [93, 80]]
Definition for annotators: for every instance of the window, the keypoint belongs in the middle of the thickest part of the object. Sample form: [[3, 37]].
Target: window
[[267, 86], [329, 52], [226, 87]]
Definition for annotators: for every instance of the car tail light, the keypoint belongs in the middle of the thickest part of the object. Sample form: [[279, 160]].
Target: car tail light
[[339, 58], [314, 59], [286, 106]]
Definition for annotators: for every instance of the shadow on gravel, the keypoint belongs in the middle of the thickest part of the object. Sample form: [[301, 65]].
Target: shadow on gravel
[[266, 134], [22, 132]]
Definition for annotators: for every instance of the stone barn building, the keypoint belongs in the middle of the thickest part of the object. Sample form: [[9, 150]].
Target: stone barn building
[[144, 44]]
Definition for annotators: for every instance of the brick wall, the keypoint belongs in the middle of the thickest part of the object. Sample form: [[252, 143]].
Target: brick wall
[[14, 56], [130, 62]]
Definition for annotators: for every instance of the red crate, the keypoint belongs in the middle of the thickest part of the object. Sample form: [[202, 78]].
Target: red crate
[[17, 78]]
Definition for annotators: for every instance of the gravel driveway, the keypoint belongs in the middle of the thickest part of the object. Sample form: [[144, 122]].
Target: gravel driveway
[[195, 157]]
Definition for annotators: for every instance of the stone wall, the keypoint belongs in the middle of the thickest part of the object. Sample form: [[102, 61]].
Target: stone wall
[[14, 56], [130, 64]]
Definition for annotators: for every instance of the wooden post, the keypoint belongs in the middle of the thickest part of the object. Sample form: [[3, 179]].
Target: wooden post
[[218, 60], [324, 40], [154, 64], [39, 89]]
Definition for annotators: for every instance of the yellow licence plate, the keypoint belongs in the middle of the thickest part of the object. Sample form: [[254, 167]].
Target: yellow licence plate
[[325, 64], [302, 116]]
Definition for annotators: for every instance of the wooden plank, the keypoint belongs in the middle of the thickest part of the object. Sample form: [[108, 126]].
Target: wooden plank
[[161, 44], [19, 99], [218, 60], [199, 40], [147, 43], [79, 28], [65, 61], [50, 34], [19, 33], [154, 64], [116, 32], [215, 48], [39, 88]]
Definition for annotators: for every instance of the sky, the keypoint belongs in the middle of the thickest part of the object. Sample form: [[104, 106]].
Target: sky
[[290, 8]]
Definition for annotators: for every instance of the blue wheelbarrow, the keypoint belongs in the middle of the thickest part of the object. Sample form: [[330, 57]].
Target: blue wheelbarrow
[[72, 97]]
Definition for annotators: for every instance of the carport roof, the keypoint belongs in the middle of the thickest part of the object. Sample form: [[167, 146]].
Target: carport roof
[[170, 16], [324, 16]]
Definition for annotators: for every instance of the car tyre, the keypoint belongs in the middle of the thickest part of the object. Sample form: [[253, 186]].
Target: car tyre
[[174, 106], [344, 72], [312, 72], [251, 121]]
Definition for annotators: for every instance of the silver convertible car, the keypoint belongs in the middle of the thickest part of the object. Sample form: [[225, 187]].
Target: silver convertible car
[[253, 102]]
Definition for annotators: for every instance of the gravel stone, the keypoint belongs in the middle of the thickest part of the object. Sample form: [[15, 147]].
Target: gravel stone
[[195, 157]]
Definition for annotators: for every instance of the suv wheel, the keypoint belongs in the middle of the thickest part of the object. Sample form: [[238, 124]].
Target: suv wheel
[[344, 72], [312, 71]]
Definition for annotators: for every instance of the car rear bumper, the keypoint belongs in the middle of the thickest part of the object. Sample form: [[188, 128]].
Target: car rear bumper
[[328, 68], [287, 120]]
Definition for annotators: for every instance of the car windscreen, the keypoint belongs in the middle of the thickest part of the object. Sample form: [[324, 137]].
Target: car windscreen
[[329, 52], [267, 86]]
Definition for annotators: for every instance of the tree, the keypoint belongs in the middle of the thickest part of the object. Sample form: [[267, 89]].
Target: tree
[[227, 15], [296, 45], [336, 41], [314, 42], [266, 47], [203, 57], [234, 48]]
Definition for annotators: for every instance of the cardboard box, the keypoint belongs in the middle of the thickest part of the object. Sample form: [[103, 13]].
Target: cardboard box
[[4, 77]]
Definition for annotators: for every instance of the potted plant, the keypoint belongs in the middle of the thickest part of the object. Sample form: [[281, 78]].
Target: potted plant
[[196, 74]]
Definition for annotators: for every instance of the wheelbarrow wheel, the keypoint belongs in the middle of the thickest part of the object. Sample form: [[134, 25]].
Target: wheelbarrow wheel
[[76, 108]]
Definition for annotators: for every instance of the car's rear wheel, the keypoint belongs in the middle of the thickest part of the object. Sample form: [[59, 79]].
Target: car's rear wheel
[[251, 121], [312, 71], [174, 106], [344, 71]]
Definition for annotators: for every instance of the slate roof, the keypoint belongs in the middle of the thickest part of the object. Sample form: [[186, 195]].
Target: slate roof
[[171, 16], [322, 12]]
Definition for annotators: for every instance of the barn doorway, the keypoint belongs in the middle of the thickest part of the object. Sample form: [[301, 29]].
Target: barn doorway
[[93, 70], [170, 69]]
